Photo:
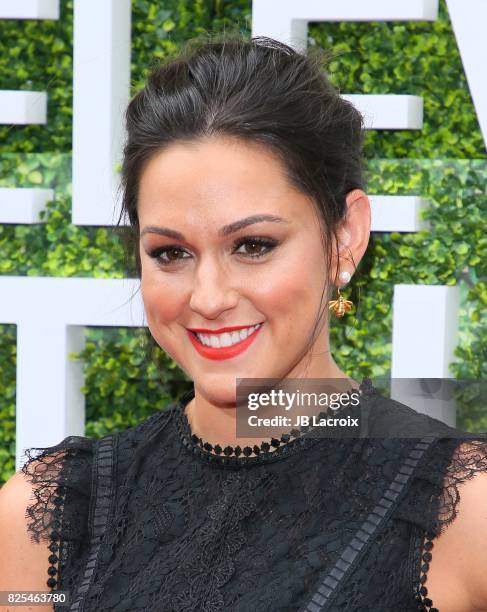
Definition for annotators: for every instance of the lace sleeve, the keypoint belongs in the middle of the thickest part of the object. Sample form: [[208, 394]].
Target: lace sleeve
[[433, 504], [60, 476], [468, 457]]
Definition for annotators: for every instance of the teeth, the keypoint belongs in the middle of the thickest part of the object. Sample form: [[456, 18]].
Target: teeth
[[227, 338]]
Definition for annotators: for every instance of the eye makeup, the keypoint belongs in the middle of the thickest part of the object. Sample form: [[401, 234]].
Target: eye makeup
[[268, 244]]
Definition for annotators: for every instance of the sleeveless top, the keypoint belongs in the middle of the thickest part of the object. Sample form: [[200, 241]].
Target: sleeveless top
[[145, 519]]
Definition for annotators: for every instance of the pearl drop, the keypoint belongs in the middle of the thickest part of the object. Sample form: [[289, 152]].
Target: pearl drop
[[345, 276]]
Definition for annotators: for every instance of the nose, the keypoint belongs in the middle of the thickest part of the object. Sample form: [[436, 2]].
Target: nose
[[213, 291]]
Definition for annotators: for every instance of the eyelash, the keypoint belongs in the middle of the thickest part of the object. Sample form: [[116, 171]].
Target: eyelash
[[270, 244]]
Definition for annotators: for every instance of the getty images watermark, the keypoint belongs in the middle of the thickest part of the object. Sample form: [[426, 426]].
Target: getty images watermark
[[317, 407], [339, 408], [299, 399]]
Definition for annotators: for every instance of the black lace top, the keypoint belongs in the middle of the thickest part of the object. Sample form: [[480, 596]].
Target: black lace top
[[146, 519]]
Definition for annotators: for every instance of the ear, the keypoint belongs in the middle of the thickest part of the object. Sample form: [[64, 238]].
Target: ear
[[353, 235]]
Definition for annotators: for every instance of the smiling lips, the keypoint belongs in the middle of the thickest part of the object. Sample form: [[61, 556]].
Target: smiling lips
[[238, 341]]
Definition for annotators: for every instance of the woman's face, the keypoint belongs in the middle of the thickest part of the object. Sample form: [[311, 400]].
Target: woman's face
[[205, 277]]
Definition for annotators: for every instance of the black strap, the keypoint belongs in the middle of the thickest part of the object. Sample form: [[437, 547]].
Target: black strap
[[329, 585], [101, 500]]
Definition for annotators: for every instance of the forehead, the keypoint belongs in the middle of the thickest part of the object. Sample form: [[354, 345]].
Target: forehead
[[215, 180]]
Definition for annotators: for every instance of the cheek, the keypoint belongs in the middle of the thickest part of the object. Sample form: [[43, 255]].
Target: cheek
[[162, 302], [292, 293]]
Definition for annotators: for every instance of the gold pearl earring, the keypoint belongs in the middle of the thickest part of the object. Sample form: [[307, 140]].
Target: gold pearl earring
[[340, 306]]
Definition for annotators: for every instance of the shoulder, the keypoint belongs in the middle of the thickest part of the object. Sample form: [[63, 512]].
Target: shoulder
[[136, 442], [131, 438], [460, 550], [448, 498], [386, 417], [23, 562], [55, 480], [53, 483]]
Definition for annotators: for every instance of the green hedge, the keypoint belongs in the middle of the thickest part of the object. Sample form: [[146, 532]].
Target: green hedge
[[127, 376], [419, 58]]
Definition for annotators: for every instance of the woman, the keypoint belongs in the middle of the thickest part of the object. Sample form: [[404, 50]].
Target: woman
[[243, 187]]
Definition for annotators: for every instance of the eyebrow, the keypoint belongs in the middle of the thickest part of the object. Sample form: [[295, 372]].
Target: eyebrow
[[224, 231]]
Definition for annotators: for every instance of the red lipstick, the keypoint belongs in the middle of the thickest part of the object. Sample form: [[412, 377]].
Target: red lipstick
[[225, 352]]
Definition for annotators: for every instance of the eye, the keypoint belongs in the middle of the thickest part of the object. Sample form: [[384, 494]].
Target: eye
[[172, 253], [257, 244]]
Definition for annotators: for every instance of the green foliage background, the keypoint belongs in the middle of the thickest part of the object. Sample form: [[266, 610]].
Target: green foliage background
[[127, 376]]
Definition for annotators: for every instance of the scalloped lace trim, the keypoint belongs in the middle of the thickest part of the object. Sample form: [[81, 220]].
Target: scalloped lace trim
[[45, 472]]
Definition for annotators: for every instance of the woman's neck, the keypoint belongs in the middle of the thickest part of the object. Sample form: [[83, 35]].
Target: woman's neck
[[218, 425]]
